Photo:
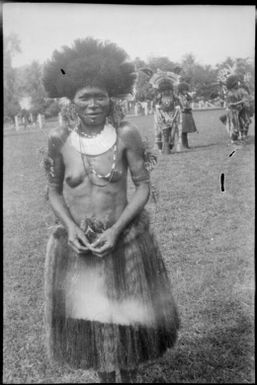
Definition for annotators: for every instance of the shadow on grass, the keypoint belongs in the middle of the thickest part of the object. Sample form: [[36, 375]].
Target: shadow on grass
[[193, 148], [220, 353], [206, 145]]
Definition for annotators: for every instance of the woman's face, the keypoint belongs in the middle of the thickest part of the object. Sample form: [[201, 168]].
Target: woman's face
[[92, 105]]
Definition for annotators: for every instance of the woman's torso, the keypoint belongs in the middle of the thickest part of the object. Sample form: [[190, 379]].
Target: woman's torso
[[87, 195]]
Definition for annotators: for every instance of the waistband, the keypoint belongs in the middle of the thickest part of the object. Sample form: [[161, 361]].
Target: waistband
[[92, 227]]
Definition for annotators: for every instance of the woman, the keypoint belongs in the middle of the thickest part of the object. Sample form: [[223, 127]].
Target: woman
[[108, 300], [188, 123]]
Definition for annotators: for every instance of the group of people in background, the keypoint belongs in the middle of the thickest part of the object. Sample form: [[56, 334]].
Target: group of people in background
[[173, 118], [239, 109]]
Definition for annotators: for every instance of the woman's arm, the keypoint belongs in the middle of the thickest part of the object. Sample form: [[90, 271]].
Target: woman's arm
[[55, 171], [134, 151], [139, 174]]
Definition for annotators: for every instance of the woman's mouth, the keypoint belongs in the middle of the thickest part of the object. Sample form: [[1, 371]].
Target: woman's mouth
[[94, 114]]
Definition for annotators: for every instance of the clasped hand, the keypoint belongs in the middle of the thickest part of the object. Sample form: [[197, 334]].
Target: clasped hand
[[104, 243], [101, 247]]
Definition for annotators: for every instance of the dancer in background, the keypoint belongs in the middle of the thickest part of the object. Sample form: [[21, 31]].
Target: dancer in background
[[238, 103], [109, 305], [247, 111], [166, 116], [188, 123]]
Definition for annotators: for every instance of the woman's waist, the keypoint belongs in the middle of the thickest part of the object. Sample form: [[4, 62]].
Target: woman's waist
[[93, 225], [107, 211]]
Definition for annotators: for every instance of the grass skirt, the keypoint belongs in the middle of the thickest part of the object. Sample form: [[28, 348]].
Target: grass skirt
[[188, 123], [110, 313]]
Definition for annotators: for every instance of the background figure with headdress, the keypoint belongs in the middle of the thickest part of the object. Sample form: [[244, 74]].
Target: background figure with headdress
[[109, 305], [188, 123], [238, 104], [247, 110], [167, 116]]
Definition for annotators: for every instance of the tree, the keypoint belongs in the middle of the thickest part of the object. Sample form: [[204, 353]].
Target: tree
[[11, 97], [163, 63], [30, 84], [144, 90], [201, 78], [52, 108]]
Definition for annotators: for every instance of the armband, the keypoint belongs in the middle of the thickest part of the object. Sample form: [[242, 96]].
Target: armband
[[143, 178]]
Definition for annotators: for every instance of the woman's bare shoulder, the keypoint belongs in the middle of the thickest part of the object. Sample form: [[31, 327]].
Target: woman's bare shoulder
[[129, 134], [57, 136]]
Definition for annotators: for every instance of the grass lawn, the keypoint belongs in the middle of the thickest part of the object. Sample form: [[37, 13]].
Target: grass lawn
[[207, 239]]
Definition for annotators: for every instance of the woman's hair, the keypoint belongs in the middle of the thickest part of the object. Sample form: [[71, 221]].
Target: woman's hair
[[89, 62]]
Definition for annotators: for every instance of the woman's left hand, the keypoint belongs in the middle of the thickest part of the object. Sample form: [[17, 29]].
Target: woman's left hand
[[104, 243]]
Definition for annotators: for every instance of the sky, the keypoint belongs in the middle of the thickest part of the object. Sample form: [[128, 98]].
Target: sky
[[210, 32]]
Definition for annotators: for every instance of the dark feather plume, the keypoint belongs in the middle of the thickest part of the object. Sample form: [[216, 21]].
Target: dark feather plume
[[89, 62]]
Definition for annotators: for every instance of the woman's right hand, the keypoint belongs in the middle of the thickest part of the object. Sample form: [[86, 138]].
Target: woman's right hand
[[77, 240]]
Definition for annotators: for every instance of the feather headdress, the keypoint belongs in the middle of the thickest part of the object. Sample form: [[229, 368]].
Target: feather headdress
[[89, 62], [225, 72], [162, 79]]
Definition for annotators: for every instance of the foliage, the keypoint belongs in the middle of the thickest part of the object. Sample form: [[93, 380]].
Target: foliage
[[30, 84], [144, 90], [52, 108], [199, 77], [27, 80], [11, 99], [202, 78], [163, 63]]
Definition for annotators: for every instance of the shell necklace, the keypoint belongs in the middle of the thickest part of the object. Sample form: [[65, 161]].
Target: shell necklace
[[94, 145]]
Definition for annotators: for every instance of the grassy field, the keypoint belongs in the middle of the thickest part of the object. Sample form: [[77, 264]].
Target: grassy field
[[207, 240]]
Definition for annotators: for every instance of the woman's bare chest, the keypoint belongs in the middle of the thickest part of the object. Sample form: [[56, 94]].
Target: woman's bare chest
[[107, 167]]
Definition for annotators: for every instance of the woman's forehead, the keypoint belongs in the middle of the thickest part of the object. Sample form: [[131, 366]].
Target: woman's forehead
[[91, 90]]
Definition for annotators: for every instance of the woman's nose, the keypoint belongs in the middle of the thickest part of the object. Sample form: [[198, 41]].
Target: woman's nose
[[92, 102]]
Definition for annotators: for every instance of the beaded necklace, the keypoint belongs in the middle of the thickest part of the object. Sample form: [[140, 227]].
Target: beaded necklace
[[82, 133], [107, 176]]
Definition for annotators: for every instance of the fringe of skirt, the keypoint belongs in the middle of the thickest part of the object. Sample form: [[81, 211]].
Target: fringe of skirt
[[188, 123], [133, 275]]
